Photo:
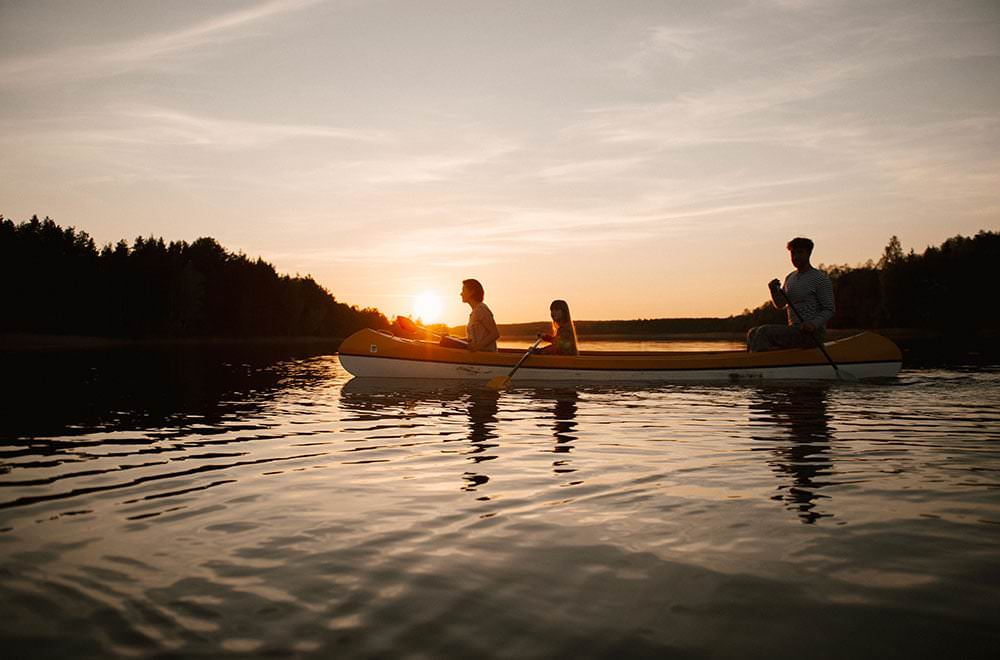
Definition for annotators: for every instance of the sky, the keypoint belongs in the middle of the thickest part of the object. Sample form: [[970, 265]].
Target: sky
[[637, 159]]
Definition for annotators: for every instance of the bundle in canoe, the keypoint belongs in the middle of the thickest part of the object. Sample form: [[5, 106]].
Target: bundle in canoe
[[375, 353]]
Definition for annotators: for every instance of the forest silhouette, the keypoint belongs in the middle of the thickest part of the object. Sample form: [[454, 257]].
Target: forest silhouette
[[57, 282]]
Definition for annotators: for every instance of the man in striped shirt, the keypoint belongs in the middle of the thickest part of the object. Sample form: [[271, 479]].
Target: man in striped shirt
[[811, 294]]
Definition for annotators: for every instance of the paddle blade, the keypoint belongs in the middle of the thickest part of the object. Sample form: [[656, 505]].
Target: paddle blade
[[498, 383]]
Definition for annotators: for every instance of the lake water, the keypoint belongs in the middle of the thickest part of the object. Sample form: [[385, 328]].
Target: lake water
[[208, 502]]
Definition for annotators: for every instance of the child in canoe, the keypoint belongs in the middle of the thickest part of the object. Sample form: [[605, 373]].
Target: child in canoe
[[563, 335]]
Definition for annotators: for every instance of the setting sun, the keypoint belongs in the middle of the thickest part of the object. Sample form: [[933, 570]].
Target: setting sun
[[427, 307]]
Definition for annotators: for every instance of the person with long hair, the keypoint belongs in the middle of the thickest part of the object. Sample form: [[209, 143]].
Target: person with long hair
[[563, 335]]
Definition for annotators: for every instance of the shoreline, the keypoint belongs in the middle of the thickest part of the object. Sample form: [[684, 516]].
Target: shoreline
[[895, 334], [919, 347], [28, 343]]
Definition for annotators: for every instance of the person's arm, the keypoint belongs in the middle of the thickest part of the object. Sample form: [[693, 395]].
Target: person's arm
[[482, 334], [778, 298], [493, 334], [545, 337], [475, 332]]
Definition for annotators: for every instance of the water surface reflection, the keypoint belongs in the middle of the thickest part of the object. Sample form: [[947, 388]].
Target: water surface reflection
[[562, 407], [552, 408], [262, 508], [801, 456], [69, 393], [483, 406]]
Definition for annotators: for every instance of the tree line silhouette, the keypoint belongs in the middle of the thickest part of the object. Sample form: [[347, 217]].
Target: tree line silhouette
[[944, 290], [57, 281]]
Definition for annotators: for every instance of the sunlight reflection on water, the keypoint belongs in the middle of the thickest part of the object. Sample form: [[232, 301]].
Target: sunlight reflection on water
[[196, 504]]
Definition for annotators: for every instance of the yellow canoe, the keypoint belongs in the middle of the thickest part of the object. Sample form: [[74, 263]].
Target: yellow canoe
[[375, 353]]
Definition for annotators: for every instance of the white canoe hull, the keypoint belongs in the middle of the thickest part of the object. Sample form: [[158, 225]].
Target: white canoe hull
[[375, 367]]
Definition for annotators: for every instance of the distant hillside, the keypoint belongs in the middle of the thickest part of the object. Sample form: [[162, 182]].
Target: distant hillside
[[56, 281], [650, 327]]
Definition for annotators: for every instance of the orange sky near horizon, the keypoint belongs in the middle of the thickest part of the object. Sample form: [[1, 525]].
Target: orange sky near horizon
[[639, 160]]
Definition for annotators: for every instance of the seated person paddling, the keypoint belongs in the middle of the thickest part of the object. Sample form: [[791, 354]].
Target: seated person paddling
[[811, 294], [563, 335], [481, 331]]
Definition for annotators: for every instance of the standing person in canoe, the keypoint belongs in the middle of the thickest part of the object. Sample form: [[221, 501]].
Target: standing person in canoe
[[563, 335], [481, 332], [811, 295]]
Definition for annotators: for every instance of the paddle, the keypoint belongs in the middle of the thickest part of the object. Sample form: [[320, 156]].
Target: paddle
[[500, 382], [819, 344]]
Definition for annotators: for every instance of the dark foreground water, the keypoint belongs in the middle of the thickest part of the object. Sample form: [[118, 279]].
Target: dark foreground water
[[194, 503]]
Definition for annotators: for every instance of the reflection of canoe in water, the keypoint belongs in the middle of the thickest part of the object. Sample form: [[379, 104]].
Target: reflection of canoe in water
[[381, 354]]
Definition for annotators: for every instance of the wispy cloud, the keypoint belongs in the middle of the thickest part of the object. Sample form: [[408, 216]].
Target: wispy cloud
[[782, 108], [513, 233], [766, 54], [404, 162], [674, 44], [590, 169], [428, 167], [163, 126], [122, 57]]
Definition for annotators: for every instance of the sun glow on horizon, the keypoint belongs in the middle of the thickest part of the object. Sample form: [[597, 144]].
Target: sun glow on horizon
[[427, 307]]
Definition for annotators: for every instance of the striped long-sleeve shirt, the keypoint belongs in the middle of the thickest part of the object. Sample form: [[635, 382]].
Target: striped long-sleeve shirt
[[811, 293]]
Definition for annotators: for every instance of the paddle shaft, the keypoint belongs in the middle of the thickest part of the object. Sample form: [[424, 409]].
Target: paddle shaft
[[819, 343], [523, 358], [500, 382]]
